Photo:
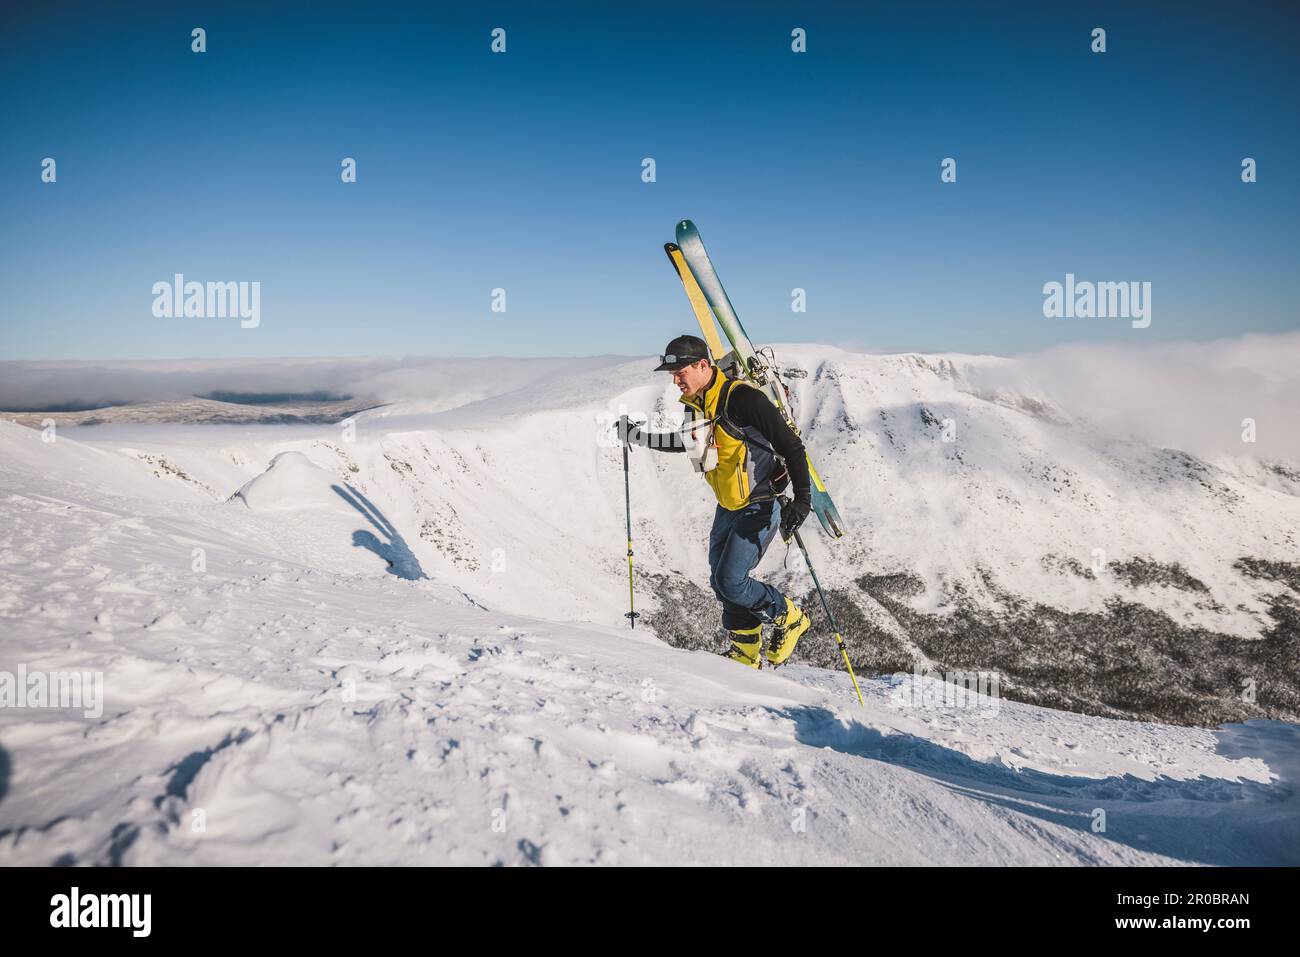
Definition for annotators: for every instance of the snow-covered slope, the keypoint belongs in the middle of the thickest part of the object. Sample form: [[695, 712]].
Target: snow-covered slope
[[400, 639], [968, 493], [1021, 492], [265, 709]]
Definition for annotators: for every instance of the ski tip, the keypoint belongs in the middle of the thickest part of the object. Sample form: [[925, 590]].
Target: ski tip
[[685, 228], [671, 248], [831, 524]]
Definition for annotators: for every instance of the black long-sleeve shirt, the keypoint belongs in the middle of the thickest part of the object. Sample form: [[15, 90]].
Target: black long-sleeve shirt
[[750, 407]]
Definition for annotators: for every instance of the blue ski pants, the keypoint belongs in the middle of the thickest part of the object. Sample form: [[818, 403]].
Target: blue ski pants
[[736, 545]]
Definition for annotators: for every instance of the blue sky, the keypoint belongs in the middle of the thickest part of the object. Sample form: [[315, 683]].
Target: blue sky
[[522, 171]]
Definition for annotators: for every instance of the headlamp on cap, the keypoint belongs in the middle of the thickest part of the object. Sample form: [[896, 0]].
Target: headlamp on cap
[[681, 352]]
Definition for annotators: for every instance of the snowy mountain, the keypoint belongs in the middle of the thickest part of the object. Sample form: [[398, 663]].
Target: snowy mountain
[[399, 639]]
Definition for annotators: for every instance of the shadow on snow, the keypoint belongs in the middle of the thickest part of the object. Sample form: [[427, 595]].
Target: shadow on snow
[[1203, 820], [391, 547]]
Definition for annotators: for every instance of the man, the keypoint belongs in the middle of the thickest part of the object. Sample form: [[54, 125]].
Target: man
[[748, 454]]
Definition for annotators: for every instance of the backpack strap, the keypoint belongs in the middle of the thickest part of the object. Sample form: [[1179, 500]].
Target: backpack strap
[[758, 437], [723, 399], [752, 435]]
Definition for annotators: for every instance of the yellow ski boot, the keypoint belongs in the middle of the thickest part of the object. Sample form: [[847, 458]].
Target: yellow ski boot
[[745, 645], [787, 630]]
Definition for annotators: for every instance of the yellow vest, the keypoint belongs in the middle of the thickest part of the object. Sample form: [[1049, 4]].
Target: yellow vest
[[746, 462]]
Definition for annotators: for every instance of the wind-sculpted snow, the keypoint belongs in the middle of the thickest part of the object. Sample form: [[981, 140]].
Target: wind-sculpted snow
[[291, 482]]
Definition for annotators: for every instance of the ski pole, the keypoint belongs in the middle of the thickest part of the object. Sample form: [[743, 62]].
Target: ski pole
[[631, 616], [830, 617]]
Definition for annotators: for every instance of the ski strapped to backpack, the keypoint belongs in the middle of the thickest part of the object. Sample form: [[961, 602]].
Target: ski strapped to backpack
[[743, 362]]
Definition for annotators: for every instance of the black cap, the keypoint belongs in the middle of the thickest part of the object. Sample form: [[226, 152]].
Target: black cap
[[681, 352]]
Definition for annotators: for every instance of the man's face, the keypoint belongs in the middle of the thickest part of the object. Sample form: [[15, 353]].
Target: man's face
[[692, 378]]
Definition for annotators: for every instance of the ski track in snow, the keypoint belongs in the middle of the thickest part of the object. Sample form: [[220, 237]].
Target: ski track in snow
[[305, 707]]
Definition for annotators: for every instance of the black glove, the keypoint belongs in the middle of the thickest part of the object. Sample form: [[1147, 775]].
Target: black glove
[[629, 432], [793, 514]]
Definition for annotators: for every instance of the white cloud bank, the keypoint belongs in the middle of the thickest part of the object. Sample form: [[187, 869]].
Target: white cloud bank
[[1192, 396]]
